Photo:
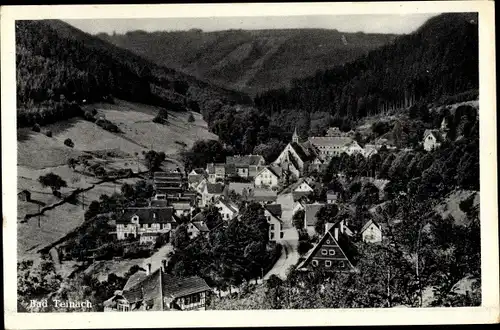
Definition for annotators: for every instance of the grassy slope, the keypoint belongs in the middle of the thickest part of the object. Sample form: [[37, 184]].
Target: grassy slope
[[250, 60], [51, 156]]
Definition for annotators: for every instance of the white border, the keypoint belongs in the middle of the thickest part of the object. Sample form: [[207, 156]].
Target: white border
[[488, 313]]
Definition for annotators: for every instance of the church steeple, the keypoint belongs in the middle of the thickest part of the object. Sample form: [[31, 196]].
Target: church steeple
[[295, 136]]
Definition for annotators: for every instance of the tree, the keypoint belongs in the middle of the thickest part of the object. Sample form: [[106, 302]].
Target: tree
[[325, 214], [190, 118], [68, 142], [53, 181], [180, 238], [154, 160], [36, 128], [93, 210], [212, 217], [269, 150], [298, 219], [72, 163]]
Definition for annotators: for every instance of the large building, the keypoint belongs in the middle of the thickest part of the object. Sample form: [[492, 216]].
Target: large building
[[159, 291], [146, 223]]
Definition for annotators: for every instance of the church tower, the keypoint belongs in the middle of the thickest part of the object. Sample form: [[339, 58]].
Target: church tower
[[295, 136]]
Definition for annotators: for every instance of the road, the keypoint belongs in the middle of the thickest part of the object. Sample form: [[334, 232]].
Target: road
[[289, 255]]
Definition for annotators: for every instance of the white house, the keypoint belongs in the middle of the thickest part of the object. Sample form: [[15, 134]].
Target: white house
[[371, 232], [303, 186], [227, 209], [273, 213], [432, 139], [330, 146], [138, 221], [268, 177], [353, 148]]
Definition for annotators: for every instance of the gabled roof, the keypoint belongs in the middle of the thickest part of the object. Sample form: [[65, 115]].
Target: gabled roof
[[147, 215], [436, 133], [302, 152], [348, 250], [215, 188], [230, 205], [274, 209], [368, 223], [160, 284], [310, 213], [245, 160]]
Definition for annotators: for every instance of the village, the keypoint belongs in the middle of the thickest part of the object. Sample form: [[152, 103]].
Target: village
[[284, 189]]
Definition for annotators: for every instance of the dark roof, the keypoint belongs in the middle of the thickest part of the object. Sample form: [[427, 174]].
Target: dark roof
[[230, 169], [146, 288], [215, 188], [304, 154], [245, 160], [201, 226], [263, 195], [276, 170], [199, 171], [159, 203], [147, 215], [274, 209], [298, 195], [167, 175]]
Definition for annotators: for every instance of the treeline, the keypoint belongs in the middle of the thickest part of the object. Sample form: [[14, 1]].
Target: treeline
[[59, 65], [437, 61]]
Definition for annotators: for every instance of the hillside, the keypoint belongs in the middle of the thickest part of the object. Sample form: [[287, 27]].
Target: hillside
[[250, 60], [60, 67], [438, 63], [111, 150]]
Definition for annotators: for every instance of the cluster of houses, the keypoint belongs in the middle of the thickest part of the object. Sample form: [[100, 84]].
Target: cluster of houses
[[244, 178]]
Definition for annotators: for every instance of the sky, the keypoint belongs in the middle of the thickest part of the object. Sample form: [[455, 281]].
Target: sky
[[397, 24]]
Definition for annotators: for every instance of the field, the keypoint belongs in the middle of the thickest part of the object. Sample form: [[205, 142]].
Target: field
[[39, 155]]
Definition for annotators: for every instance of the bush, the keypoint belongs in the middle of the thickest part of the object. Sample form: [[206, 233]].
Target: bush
[[89, 116], [36, 128], [304, 247], [48, 133], [191, 118], [68, 142]]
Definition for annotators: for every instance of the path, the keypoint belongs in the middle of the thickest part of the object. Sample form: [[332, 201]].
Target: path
[[289, 255]]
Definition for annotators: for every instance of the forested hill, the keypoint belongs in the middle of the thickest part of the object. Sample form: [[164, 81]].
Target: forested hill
[[250, 60], [438, 61], [59, 66]]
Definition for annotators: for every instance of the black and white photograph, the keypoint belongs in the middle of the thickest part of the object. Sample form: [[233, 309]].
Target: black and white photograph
[[245, 163]]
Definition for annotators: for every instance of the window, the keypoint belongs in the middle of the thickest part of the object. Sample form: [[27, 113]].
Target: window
[[341, 264], [315, 263], [324, 252], [272, 235], [281, 235], [331, 252], [328, 263], [272, 226]]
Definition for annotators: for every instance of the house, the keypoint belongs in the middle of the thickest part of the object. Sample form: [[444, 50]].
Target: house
[[167, 184], [195, 177], [273, 213], [330, 146], [269, 176], [182, 208], [331, 197], [24, 195], [136, 221], [263, 196], [227, 209], [197, 226], [242, 163], [310, 211], [212, 192], [370, 150], [216, 172], [371, 232], [159, 291], [432, 139], [334, 252], [240, 188], [253, 170], [297, 158], [353, 148], [336, 132]]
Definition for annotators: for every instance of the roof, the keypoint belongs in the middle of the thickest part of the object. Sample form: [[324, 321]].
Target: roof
[[302, 152], [238, 187], [275, 170], [168, 184], [263, 195], [198, 171], [347, 248], [245, 160], [160, 283], [195, 178], [211, 167], [147, 215], [298, 195], [253, 170], [201, 226], [367, 224], [231, 206], [167, 175], [215, 188], [274, 209], [159, 203], [436, 133], [331, 195], [330, 141], [310, 213], [230, 169], [182, 205]]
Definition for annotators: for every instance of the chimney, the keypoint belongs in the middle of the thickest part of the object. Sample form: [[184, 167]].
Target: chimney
[[328, 226], [148, 269], [336, 234]]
